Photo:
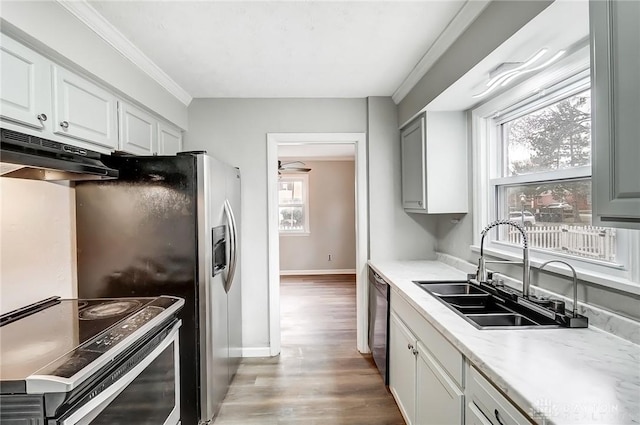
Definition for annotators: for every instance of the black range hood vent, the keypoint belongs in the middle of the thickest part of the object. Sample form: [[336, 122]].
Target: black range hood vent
[[31, 157]]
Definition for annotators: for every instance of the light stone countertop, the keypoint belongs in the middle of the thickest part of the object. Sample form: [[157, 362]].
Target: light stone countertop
[[557, 376]]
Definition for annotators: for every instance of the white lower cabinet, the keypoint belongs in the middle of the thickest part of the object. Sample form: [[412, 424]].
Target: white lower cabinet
[[438, 399], [486, 405], [431, 381], [402, 368], [425, 393], [473, 416]]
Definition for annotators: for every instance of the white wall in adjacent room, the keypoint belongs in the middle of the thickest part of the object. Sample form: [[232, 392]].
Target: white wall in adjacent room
[[38, 244], [331, 218]]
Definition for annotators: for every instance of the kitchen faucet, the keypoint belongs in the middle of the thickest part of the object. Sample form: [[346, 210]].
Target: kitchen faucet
[[481, 274], [575, 283]]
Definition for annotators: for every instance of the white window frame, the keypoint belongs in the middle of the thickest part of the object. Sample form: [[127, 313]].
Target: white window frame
[[305, 205], [567, 76]]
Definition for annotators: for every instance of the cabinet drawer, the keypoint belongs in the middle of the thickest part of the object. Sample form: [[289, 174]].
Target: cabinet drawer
[[483, 395], [447, 355]]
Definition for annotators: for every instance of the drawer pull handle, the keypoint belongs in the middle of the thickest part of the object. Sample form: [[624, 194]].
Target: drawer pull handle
[[497, 414], [64, 124], [42, 117]]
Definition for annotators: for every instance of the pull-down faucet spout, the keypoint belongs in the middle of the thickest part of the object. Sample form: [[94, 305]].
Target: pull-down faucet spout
[[481, 274]]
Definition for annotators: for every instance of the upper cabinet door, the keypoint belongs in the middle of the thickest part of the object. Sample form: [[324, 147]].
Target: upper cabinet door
[[138, 130], [615, 43], [170, 140], [413, 165], [25, 85], [83, 110]]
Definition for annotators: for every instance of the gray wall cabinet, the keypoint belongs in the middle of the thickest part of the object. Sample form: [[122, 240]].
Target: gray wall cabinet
[[434, 164], [615, 44]]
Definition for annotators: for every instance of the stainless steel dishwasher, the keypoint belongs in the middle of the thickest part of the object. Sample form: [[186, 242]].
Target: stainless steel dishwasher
[[379, 323]]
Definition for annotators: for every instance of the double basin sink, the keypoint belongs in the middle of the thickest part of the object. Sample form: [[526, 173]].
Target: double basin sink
[[485, 308]]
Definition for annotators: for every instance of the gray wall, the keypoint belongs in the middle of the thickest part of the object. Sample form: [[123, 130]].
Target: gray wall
[[332, 221], [56, 32], [499, 21], [394, 234], [235, 131]]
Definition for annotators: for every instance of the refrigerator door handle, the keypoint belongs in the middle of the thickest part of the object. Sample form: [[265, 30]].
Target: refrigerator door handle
[[233, 247]]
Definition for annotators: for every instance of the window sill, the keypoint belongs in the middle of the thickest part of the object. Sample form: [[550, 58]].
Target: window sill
[[598, 278], [295, 233]]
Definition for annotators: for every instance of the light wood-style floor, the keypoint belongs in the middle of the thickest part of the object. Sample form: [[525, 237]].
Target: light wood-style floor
[[319, 378]]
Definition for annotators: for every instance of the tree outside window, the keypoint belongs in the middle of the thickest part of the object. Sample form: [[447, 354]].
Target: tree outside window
[[546, 178]]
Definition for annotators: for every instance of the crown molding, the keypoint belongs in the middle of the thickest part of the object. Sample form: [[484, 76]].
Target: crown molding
[[467, 14], [89, 16]]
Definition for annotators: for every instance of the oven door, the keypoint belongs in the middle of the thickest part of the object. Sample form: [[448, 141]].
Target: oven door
[[147, 394]]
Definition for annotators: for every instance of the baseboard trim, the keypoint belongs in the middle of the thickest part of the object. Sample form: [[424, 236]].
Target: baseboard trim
[[256, 352], [313, 272]]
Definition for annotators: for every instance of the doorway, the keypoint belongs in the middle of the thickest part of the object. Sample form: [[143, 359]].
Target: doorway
[[284, 140]]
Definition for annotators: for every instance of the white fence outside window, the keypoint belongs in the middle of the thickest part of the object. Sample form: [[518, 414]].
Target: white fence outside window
[[583, 241]]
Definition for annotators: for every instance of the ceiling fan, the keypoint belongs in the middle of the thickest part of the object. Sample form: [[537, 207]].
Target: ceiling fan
[[292, 167]]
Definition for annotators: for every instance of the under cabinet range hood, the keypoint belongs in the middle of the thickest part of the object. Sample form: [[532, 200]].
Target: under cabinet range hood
[[24, 156]]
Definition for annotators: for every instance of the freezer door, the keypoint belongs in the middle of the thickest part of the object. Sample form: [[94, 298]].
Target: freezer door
[[234, 285], [214, 347]]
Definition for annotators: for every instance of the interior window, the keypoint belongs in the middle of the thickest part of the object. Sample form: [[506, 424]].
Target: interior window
[[293, 205]]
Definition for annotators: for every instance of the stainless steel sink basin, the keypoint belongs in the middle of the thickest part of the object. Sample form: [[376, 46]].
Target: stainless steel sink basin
[[501, 320], [451, 288], [484, 309], [480, 304]]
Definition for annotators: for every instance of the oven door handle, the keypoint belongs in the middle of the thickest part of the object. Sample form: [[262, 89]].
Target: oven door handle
[[88, 412]]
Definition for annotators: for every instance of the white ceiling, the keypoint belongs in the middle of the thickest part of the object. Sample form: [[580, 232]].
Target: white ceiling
[[283, 48]]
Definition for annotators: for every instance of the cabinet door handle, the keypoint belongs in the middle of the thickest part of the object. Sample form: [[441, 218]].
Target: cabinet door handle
[[409, 347], [420, 203], [64, 124], [497, 415], [415, 352], [42, 117]]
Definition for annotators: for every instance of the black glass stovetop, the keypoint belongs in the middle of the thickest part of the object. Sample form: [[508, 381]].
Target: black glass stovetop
[[56, 340]]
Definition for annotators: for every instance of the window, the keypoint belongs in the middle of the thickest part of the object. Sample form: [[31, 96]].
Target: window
[[293, 204], [532, 154], [545, 178]]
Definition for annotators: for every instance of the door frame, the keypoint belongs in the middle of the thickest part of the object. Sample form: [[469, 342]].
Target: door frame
[[362, 236]]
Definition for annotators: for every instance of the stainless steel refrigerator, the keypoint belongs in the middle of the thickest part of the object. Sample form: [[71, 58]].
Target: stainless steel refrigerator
[[169, 226]]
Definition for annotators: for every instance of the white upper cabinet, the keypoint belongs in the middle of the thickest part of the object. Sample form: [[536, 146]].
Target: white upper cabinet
[[83, 110], [170, 140], [138, 130], [615, 44], [40, 98], [25, 85], [434, 164]]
